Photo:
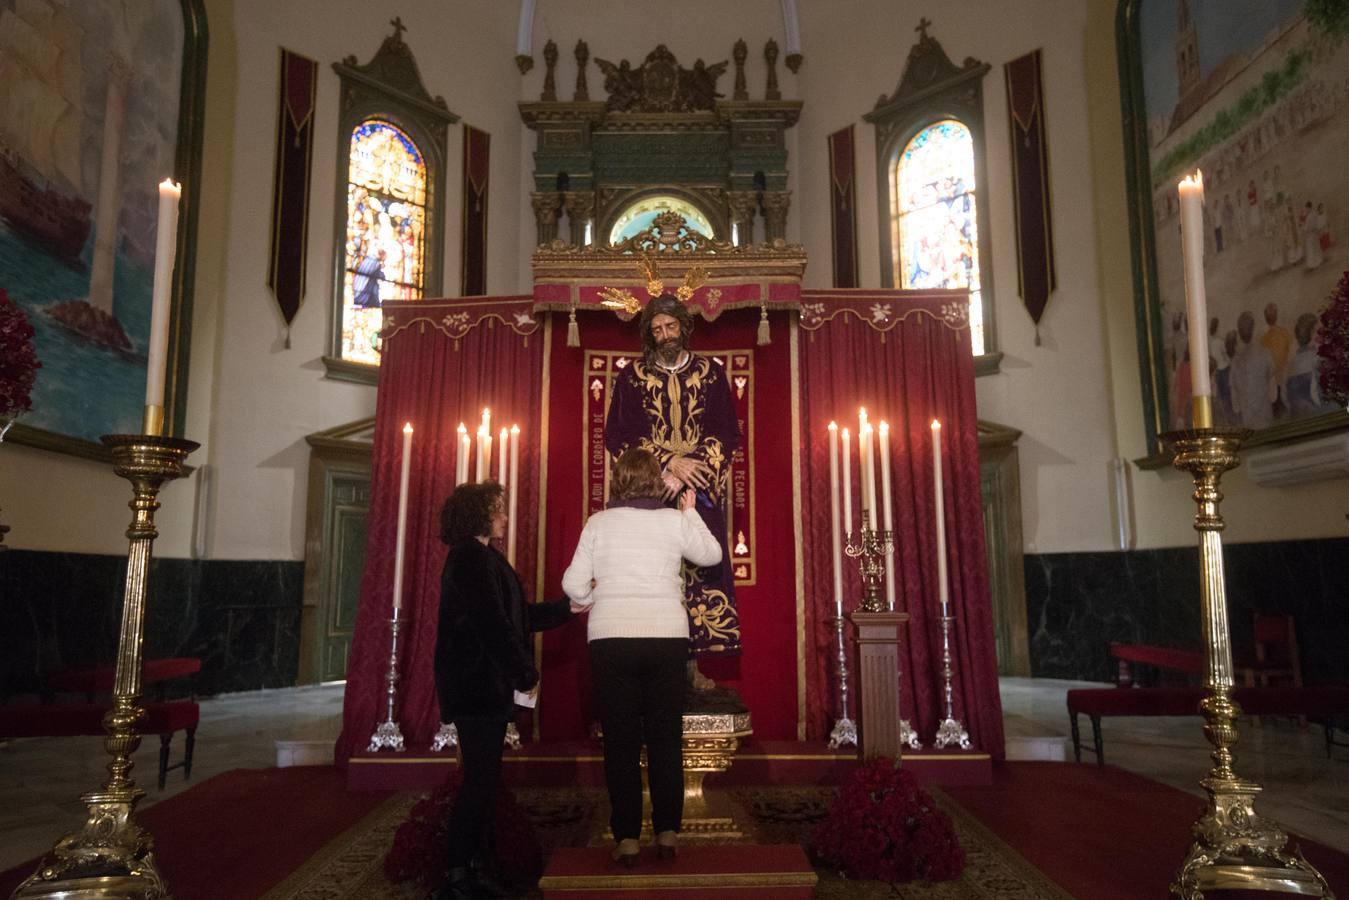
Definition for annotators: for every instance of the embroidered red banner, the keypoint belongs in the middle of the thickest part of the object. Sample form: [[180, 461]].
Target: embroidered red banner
[[843, 207], [602, 366], [290, 183], [1030, 183], [477, 166]]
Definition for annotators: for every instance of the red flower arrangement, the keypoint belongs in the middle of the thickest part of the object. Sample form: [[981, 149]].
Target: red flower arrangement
[[18, 359], [884, 826], [422, 842], [1332, 338]]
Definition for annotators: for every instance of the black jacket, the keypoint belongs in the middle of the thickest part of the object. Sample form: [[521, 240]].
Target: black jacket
[[483, 653]]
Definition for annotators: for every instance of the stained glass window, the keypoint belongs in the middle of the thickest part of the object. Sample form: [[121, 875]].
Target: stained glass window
[[934, 208], [638, 217], [386, 232]]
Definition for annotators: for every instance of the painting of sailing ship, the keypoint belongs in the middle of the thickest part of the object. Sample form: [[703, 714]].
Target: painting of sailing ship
[[1255, 93], [89, 100]]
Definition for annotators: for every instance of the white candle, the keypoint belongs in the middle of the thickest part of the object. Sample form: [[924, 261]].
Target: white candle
[[847, 484], [461, 460], [943, 593], [486, 420], [484, 467], [402, 519], [511, 492], [888, 514], [501, 457], [166, 246], [869, 475], [1196, 304], [863, 445], [835, 531]]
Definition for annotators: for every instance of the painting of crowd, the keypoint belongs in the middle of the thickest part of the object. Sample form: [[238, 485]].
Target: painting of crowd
[[1260, 375], [1272, 209]]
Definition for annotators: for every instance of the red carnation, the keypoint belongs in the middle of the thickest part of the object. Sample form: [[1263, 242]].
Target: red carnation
[[18, 359], [1332, 339], [884, 825]]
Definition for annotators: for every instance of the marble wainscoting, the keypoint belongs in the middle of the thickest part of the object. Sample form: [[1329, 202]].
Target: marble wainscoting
[[1077, 603], [62, 611]]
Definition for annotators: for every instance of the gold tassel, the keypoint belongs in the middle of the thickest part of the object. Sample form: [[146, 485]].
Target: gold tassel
[[573, 331], [764, 336]]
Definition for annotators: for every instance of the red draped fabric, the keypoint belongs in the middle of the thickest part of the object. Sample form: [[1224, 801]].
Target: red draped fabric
[[436, 372], [906, 357]]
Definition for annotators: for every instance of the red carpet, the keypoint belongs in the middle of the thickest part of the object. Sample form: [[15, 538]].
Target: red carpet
[[241, 832], [1102, 832]]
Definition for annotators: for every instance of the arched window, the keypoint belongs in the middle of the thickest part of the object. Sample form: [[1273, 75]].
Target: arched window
[[638, 217], [389, 235], [930, 169], [934, 216], [386, 233]]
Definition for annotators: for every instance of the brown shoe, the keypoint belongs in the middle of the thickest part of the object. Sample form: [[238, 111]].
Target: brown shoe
[[626, 853], [667, 845]]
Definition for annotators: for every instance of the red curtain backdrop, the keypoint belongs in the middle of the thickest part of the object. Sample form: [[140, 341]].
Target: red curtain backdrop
[[765, 672], [435, 380], [919, 369]]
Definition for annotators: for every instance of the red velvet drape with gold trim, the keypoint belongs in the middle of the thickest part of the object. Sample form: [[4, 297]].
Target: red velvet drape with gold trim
[[906, 357], [445, 362]]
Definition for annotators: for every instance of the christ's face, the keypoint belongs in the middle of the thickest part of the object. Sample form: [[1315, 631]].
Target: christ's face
[[668, 338]]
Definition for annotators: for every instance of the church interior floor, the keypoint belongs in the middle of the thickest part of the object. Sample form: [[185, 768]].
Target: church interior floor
[[41, 778]]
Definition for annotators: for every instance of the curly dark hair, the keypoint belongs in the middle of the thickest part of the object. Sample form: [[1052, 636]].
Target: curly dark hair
[[669, 305], [467, 512]]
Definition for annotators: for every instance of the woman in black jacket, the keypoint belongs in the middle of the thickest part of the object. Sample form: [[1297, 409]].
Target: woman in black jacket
[[483, 656]]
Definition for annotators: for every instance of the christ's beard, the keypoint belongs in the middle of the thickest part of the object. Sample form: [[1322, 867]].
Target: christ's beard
[[668, 352]]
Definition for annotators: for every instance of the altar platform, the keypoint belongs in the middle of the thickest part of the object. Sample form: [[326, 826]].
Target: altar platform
[[582, 763]]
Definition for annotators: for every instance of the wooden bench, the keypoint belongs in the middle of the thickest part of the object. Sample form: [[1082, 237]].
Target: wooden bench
[[70, 719], [99, 679], [1322, 703]]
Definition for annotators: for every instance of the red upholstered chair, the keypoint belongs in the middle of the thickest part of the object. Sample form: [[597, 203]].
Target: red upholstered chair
[[1276, 658]]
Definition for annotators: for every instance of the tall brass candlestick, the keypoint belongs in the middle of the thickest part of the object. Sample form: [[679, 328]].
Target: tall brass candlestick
[[112, 856], [1235, 848]]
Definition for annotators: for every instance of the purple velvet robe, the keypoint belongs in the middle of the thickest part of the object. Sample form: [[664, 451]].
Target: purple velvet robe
[[687, 413]]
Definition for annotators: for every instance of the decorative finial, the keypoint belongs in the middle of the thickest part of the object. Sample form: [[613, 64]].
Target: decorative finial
[[398, 28], [923, 25], [770, 55], [549, 94], [740, 52], [582, 57]]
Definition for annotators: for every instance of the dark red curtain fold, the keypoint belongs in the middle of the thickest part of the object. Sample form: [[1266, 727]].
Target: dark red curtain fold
[[921, 369], [435, 382]]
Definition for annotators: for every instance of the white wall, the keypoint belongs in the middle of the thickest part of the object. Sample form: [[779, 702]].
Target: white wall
[[1076, 396]]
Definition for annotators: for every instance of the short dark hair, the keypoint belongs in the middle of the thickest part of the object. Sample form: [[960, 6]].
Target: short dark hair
[[669, 305], [636, 474], [467, 512]]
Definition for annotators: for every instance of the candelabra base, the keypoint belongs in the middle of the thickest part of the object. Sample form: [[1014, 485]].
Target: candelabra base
[[908, 737], [447, 738], [1238, 849], [110, 856], [386, 737], [845, 732], [951, 732]]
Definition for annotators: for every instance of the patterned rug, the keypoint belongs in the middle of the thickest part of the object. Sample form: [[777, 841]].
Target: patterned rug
[[350, 867]]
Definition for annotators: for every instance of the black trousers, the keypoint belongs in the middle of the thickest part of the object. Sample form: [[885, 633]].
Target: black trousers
[[480, 747], [639, 690]]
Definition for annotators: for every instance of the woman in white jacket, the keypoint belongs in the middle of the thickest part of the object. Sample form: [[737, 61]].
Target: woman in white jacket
[[626, 571]]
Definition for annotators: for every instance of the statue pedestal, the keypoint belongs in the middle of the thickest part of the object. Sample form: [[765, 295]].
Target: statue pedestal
[[715, 722], [878, 718]]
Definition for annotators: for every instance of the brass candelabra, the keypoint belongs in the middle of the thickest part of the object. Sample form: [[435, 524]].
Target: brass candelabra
[[112, 856], [1235, 848]]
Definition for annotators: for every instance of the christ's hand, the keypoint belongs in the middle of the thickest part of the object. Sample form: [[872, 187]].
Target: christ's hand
[[690, 471]]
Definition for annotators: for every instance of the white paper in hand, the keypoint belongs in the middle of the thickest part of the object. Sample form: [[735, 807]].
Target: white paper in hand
[[526, 700]]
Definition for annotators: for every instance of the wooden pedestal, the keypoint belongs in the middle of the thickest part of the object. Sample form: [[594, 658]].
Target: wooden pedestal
[[877, 642]]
